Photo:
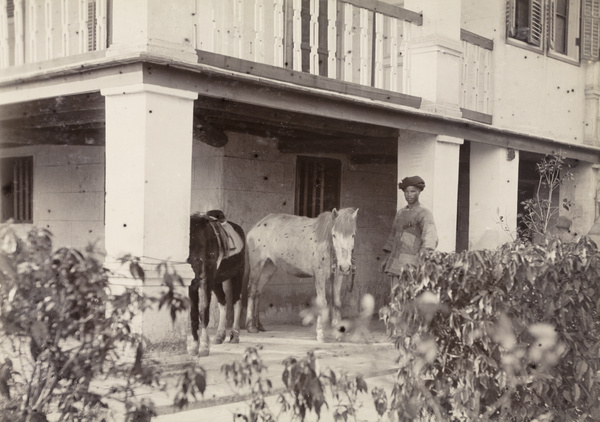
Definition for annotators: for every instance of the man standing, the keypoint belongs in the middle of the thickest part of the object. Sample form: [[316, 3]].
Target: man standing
[[412, 231]]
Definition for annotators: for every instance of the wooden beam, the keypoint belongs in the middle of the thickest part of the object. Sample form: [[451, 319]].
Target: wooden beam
[[388, 10], [57, 119], [373, 159], [58, 105], [473, 38], [305, 79], [218, 110], [339, 146], [94, 137], [476, 116], [209, 134]]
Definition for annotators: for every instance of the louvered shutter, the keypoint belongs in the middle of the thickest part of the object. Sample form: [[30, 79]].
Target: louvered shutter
[[536, 24], [91, 25], [551, 19], [10, 8], [590, 30], [511, 29]]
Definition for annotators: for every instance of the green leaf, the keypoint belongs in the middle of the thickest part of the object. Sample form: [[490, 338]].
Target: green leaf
[[136, 270]]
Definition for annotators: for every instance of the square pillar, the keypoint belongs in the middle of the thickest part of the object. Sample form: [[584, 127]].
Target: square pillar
[[582, 191], [435, 158], [432, 67], [148, 190], [494, 174]]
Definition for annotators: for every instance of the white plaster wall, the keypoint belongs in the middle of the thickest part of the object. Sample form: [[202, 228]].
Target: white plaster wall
[[68, 193], [207, 175], [582, 191], [533, 93], [493, 197]]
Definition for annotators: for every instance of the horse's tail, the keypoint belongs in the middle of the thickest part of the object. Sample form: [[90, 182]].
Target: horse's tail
[[245, 284]]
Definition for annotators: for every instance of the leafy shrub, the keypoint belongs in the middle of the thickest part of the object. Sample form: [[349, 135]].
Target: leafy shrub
[[539, 212], [510, 334], [67, 330]]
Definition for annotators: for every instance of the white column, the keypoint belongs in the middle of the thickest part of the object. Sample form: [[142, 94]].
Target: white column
[[434, 53], [494, 179], [582, 192], [435, 158], [148, 173], [155, 27]]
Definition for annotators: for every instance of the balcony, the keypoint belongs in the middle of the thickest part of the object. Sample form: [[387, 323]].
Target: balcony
[[344, 45]]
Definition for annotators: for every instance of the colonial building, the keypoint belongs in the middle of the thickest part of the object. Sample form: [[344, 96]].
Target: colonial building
[[119, 118]]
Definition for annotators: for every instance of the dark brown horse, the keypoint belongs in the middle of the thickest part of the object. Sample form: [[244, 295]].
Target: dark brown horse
[[217, 255]]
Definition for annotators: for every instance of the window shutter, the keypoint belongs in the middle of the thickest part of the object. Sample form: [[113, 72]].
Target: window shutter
[[10, 8], [536, 26], [550, 19], [91, 25], [590, 30], [511, 29]]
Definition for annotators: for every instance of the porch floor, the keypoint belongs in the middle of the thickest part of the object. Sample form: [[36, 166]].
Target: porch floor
[[374, 359]]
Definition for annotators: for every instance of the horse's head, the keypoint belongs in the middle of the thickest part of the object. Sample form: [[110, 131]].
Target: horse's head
[[342, 236]]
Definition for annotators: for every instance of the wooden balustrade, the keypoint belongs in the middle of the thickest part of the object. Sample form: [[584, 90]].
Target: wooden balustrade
[[340, 39], [476, 76], [38, 30]]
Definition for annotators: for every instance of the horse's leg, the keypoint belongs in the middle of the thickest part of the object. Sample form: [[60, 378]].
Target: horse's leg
[[337, 299], [320, 282], [222, 300], [236, 297], [259, 277], [194, 316], [204, 302]]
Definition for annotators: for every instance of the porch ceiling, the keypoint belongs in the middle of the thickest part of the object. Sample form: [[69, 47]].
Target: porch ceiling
[[80, 120]]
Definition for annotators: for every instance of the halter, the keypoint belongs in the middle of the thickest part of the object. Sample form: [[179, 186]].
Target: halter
[[334, 266]]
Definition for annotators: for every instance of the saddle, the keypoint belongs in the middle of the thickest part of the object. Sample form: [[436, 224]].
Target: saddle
[[220, 226]]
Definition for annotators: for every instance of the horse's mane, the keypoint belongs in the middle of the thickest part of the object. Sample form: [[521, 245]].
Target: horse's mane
[[324, 223]]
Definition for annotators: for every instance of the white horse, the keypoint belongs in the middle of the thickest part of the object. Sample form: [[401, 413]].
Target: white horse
[[318, 247]]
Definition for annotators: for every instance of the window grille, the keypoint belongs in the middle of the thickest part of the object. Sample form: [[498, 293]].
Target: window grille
[[318, 185], [17, 189]]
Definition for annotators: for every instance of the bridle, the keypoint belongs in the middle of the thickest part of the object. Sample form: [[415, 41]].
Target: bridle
[[334, 265]]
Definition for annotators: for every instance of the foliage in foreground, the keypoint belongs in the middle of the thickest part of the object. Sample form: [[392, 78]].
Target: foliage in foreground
[[67, 330], [305, 389], [508, 335]]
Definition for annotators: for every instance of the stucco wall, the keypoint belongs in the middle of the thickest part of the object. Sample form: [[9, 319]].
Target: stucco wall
[[533, 93], [258, 179], [68, 193]]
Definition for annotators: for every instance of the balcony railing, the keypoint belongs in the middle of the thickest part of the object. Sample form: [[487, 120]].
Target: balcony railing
[[358, 41], [36, 30], [340, 39]]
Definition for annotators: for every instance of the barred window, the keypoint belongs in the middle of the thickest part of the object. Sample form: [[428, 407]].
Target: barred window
[[318, 185], [16, 178]]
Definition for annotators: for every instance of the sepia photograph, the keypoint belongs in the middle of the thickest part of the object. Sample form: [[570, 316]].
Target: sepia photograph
[[300, 210]]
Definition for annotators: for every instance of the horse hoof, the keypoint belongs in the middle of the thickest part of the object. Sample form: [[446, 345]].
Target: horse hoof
[[261, 328], [203, 352], [235, 337], [252, 329], [219, 337], [193, 348]]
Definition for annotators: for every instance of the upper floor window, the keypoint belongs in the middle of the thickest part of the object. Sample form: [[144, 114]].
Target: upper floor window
[[551, 26], [318, 185], [16, 181]]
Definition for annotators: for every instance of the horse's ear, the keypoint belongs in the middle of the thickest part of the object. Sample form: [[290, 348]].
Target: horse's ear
[[334, 213], [355, 213]]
